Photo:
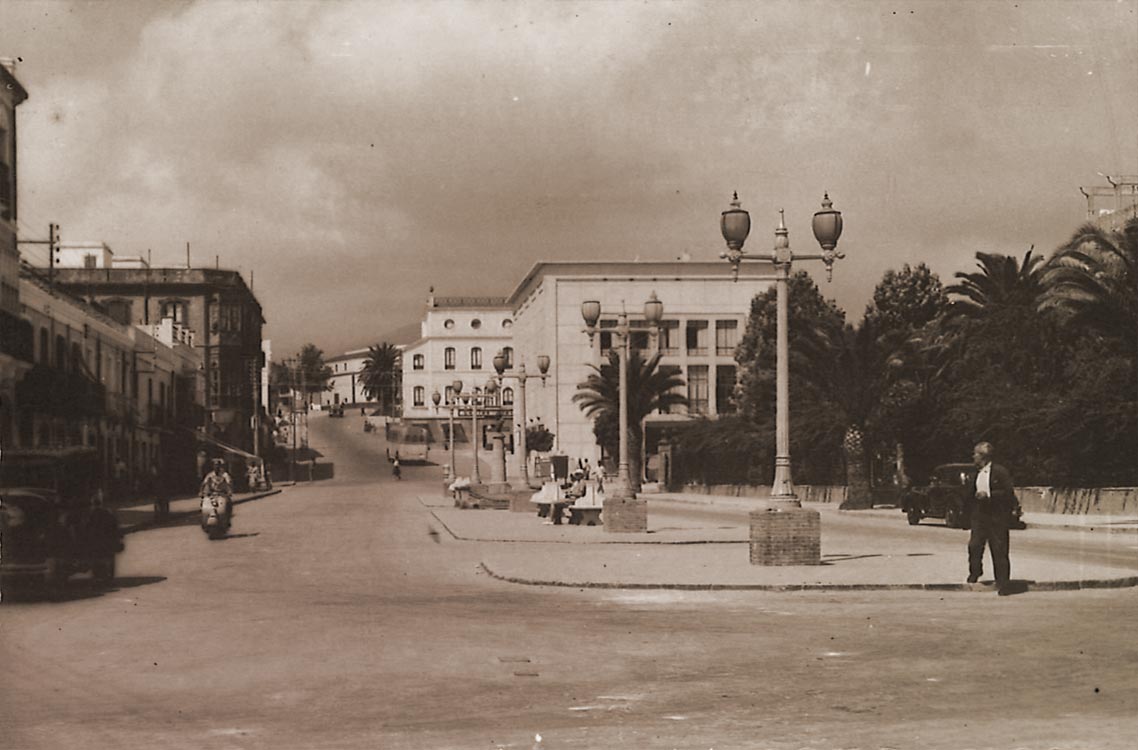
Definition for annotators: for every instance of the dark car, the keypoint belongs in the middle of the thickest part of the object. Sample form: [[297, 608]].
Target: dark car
[[43, 540], [947, 496]]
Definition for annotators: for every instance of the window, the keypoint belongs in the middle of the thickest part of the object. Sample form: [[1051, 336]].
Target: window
[[697, 389], [726, 337], [448, 395], [638, 340], [119, 310], [448, 324], [476, 324], [508, 353], [418, 362], [697, 338], [45, 356], [507, 323], [448, 358], [476, 358], [175, 309], [419, 394], [507, 397], [725, 389]]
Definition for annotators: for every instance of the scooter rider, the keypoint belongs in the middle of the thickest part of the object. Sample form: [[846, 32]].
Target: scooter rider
[[218, 482]]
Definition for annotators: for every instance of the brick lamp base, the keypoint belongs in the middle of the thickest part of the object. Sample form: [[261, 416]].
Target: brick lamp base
[[786, 536]]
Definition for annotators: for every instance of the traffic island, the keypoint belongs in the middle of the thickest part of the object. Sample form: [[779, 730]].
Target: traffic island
[[786, 536]]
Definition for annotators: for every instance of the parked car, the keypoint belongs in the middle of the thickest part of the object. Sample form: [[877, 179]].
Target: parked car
[[947, 496], [45, 540]]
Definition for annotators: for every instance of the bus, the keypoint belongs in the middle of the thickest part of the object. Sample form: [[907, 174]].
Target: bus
[[411, 442]]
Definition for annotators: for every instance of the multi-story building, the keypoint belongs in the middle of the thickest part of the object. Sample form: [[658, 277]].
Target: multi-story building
[[15, 333], [120, 393], [215, 304], [345, 383], [705, 314], [458, 341]]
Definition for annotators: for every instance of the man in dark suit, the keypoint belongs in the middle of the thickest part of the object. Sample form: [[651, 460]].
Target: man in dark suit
[[993, 505]]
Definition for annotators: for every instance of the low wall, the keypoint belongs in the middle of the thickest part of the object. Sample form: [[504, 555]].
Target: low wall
[[1106, 501]]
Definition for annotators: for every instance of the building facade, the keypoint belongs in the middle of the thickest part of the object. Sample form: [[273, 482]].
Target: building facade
[[127, 396], [459, 338], [705, 314], [214, 304], [345, 383], [16, 356]]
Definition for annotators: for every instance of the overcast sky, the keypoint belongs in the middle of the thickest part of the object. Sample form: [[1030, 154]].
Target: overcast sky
[[349, 155]]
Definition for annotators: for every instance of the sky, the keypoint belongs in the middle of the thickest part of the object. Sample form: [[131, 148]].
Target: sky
[[348, 156]]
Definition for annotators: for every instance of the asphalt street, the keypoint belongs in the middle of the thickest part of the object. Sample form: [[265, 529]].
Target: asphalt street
[[337, 616]]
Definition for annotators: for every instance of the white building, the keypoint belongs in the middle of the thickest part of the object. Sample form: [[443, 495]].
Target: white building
[[705, 314], [346, 381], [458, 340]]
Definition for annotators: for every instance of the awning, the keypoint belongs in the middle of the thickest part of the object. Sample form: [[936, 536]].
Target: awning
[[224, 446]]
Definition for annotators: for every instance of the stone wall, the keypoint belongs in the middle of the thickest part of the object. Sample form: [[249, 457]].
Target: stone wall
[[1107, 501]]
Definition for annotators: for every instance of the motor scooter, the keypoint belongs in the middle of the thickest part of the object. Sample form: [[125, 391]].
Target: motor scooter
[[217, 515]]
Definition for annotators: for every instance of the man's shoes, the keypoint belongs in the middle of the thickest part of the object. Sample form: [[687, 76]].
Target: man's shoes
[[973, 579], [1003, 588]]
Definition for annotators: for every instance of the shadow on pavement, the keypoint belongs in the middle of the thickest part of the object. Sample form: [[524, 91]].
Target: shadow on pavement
[[75, 590]]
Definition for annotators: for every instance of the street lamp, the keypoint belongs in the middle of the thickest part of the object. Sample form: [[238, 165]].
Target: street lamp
[[735, 224], [451, 405], [522, 483], [653, 313], [478, 397]]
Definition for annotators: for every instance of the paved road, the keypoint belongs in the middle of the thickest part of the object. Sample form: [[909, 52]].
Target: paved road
[[333, 619], [1091, 547]]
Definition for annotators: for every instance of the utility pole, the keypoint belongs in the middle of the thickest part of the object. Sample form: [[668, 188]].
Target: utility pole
[[52, 243]]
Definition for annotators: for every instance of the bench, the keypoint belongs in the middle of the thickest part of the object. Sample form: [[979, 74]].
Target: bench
[[586, 511]]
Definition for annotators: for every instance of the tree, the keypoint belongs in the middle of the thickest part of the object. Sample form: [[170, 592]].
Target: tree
[[649, 389], [1001, 282], [311, 374], [381, 375], [1093, 279], [815, 335]]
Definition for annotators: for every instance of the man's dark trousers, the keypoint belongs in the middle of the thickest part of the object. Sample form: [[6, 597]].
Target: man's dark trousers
[[990, 529]]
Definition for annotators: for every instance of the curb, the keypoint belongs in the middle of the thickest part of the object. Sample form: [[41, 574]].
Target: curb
[[1113, 583], [580, 542]]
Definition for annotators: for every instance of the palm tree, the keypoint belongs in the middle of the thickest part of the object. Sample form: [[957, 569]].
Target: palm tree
[[380, 375], [1094, 279], [1002, 282], [649, 389]]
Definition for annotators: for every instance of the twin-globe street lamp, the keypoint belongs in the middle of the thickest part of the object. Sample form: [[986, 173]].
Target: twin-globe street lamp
[[735, 224], [451, 405], [653, 313], [479, 397], [521, 481]]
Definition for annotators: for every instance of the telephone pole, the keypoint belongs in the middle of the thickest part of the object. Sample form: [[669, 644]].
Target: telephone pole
[[52, 243]]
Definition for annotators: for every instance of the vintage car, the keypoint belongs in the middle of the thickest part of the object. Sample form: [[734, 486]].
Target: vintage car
[[946, 496], [44, 540]]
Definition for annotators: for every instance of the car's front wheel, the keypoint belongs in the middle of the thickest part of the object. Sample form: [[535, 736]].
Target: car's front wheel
[[914, 517], [952, 518]]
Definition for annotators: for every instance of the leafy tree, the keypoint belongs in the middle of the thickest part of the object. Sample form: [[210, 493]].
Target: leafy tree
[[815, 334], [729, 450], [538, 439], [311, 375], [649, 389], [381, 375]]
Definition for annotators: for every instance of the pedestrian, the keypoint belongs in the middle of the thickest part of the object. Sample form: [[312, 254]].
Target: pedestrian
[[395, 467], [993, 503]]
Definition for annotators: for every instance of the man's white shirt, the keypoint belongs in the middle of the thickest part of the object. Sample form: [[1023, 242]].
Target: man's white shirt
[[984, 481]]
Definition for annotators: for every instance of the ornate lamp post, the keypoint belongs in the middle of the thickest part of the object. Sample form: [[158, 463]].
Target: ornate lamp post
[[522, 480], [591, 312], [452, 404], [735, 224], [476, 399]]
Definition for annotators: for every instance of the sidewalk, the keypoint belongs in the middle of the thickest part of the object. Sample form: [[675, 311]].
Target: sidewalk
[[685, 549], [137, 515]]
